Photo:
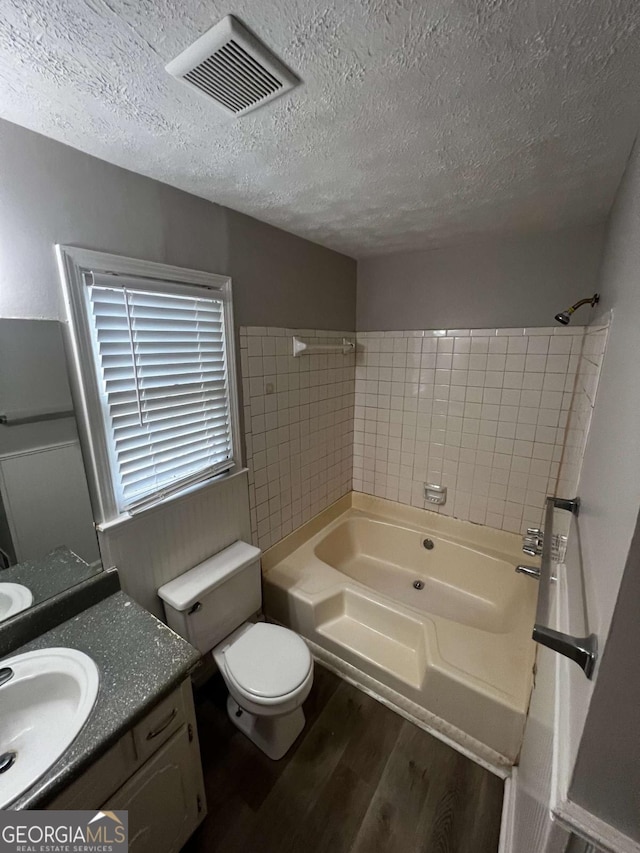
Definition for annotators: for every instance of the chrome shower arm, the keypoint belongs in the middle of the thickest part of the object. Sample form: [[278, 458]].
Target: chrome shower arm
[[592, 300]]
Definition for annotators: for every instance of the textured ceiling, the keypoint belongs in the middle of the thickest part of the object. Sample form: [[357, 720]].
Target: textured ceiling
[[418, 123]]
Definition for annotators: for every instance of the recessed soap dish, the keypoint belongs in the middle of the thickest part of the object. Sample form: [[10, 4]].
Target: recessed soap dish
[[435, 494]]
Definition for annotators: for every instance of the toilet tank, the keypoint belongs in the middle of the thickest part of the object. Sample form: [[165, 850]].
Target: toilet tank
[[207, 603]]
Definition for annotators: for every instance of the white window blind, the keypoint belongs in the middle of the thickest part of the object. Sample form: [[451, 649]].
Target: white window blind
[[161, 362]]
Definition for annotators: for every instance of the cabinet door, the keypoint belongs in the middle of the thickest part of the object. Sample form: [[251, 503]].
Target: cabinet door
[[163, 798]]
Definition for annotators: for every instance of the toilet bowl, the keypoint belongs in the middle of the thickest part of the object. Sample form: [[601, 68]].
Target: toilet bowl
[[267, 669]]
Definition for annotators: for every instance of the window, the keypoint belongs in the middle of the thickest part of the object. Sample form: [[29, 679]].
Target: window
[[153, 352]]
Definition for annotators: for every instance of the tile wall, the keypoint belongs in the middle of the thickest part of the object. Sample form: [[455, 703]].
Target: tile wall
[[498, 416], [480, 411], [581, 406], [298, 417]]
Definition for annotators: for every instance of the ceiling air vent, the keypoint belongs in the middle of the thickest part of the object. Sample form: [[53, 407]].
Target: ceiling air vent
[[230, 65]]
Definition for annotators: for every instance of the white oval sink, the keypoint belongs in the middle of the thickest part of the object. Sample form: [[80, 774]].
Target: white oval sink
[[43, 705], [13, 599]]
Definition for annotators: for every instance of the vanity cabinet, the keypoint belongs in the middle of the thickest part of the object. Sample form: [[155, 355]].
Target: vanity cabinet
[[163, 799], [154, 772]]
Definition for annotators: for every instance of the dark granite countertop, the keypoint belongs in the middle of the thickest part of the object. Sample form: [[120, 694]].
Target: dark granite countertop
[[58, 570], [140, 660]]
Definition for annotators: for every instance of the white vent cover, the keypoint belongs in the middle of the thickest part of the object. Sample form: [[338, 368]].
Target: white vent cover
[[230, 65]]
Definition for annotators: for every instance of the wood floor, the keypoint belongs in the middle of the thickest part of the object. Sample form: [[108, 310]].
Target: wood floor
[[359, 779]]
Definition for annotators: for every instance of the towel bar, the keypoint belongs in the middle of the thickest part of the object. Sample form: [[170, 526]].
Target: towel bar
[[301, 347], [24, 416]]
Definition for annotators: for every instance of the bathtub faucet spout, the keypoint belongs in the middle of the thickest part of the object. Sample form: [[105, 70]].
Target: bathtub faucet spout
[[530, 571]]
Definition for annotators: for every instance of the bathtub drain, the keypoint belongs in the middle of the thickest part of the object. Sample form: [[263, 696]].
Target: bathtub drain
[[418, 584]]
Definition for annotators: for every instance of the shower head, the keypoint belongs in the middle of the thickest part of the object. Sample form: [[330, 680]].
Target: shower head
[[564, 317]]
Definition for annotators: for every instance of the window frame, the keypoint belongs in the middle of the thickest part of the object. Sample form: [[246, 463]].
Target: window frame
[[73, 263]]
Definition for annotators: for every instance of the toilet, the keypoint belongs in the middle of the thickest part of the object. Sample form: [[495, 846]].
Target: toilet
[[267, 669]]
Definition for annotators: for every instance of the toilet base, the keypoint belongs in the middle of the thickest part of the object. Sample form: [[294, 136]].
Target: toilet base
[[273, 735]]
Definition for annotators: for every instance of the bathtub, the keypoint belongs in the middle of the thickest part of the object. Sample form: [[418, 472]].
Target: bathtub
[[424, 610]]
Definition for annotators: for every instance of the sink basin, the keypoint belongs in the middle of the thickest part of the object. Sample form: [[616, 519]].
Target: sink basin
[[13, 598], [43, 706]]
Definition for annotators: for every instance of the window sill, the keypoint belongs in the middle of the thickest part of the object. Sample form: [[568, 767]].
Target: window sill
[[185, 494]]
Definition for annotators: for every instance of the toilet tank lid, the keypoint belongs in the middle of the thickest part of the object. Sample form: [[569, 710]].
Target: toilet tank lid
[[183, 592]]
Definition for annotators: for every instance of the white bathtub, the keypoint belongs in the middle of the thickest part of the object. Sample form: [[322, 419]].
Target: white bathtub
[[459, 646]]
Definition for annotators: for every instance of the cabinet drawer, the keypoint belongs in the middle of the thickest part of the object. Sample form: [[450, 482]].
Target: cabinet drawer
[[101, 779], [117, 765], [158, 726]]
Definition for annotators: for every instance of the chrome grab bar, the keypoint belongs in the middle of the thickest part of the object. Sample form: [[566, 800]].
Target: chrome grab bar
[[582, 650]]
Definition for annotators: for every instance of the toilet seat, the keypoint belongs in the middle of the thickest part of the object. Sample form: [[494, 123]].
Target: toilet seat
[[268, 665], [278, 707]]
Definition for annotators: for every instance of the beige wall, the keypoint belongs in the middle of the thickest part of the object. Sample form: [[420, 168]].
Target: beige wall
[[598, 742], [499, 281], [51, 193], [607, 773], [282, 280]]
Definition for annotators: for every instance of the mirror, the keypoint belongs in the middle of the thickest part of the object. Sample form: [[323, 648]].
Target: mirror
[[48, 541]]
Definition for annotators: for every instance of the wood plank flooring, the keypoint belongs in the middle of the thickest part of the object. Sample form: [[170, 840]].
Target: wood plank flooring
[[360, 779]]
